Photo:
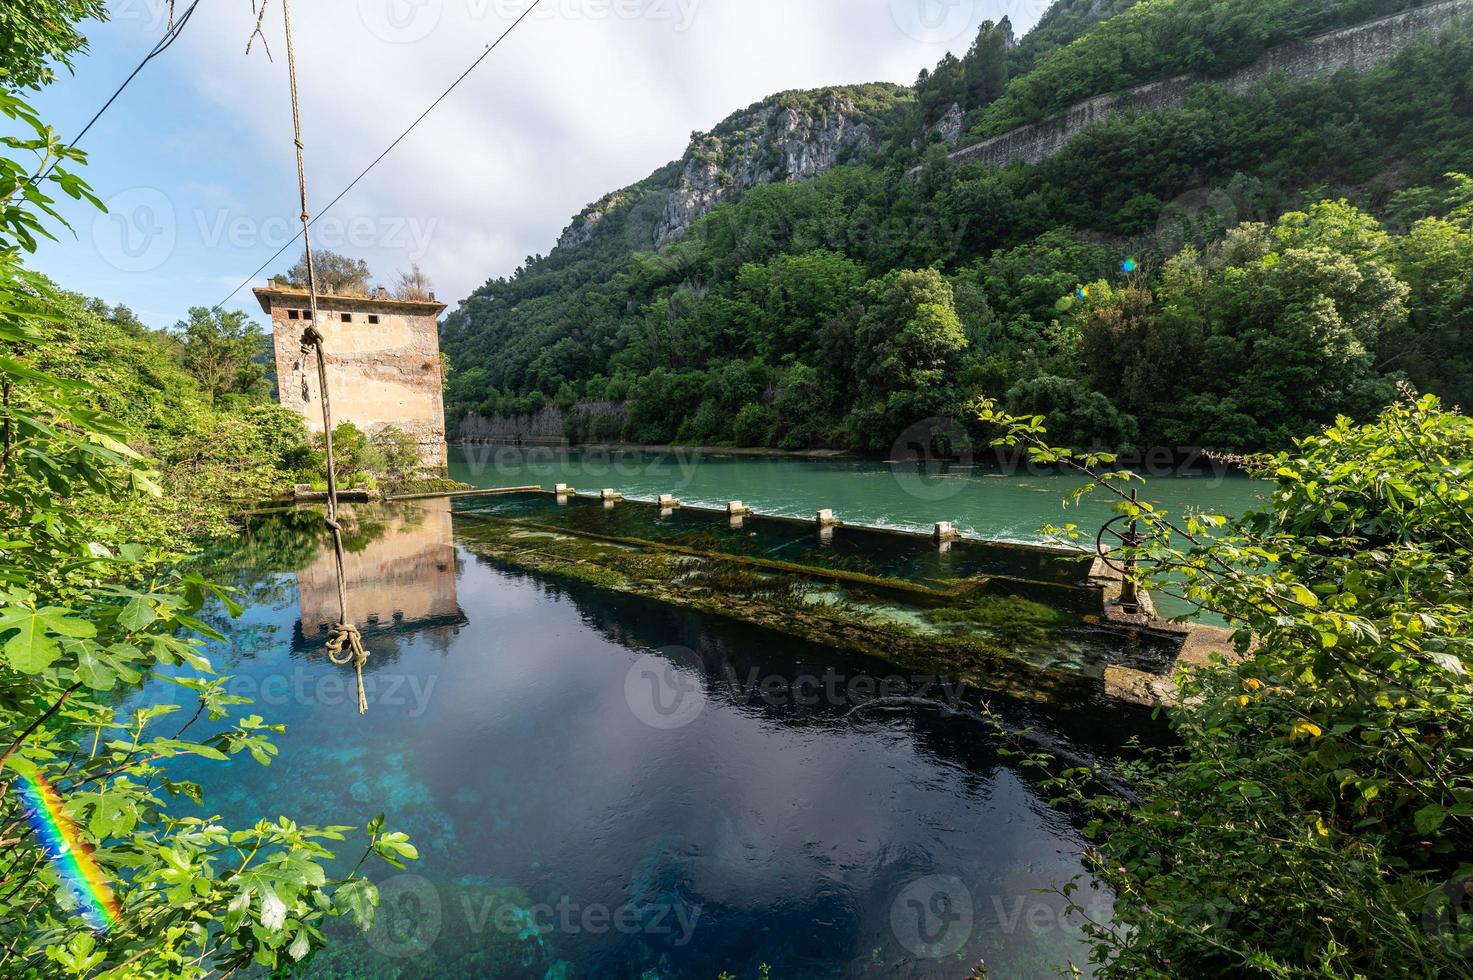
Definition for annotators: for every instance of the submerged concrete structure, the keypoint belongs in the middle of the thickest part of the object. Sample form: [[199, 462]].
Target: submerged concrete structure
[[383, 363]]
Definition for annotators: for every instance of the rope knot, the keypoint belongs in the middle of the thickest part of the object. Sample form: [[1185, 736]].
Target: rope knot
[[345, 646]]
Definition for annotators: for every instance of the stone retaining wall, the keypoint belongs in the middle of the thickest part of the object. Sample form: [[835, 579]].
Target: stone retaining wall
[[1354, 49]]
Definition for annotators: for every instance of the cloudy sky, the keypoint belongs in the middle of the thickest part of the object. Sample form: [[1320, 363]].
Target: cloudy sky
[[196, 161]]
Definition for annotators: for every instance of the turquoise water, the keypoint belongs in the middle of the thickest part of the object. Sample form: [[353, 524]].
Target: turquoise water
[[982, 501], [604, 786], [861, 550]]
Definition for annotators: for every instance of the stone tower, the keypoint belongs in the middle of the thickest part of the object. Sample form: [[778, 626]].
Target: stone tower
[[383, 363]]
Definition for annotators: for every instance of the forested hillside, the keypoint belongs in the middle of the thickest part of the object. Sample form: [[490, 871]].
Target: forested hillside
[[1229, 274]]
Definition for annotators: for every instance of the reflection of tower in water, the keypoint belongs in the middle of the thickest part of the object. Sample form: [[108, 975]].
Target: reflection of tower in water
[[401, 581]]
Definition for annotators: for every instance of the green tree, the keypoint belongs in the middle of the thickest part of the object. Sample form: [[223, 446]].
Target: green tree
[[1316, 818], [36, 37], [907, 355], [986, 65], [398, 453], [90, 606], [334, 273], [1436, 261], [1077, 416], [797, 295], [1289, 323], [225, 350]]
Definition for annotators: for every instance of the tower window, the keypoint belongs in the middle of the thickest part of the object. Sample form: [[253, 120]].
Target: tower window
[[373, 318], [347, 318], [291, 314]]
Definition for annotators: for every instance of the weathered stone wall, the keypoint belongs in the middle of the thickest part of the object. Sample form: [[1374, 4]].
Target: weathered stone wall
[[378, 373], [1355, 48], [547, 427]]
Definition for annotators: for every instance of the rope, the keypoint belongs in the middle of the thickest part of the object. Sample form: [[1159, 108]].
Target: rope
[[345, 643]]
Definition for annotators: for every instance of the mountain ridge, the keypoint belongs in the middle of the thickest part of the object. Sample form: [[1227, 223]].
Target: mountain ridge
[[720, 301]]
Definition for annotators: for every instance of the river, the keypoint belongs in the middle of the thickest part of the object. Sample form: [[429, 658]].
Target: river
[[603, 786]]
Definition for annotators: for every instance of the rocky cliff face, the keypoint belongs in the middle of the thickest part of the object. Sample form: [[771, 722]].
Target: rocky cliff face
[[789, 137], [769, 143], [949, 126], [583, 226]]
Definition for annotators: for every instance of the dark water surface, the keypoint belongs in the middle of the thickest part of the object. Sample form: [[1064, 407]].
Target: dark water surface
[[604, 786]]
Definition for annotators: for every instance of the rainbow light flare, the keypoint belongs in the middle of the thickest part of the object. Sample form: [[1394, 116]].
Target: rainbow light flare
[[69, 852]]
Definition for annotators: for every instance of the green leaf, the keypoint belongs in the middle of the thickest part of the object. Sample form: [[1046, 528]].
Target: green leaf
[[93, 671], [30, 650], [137, 614], [273, 910], [357, 898], [61, 622], [1429, 818]]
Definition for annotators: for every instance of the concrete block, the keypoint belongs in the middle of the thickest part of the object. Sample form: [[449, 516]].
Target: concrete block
[[945, 532], [738, 509], [668, 501], [826, 518], [563, 490], [608, 495]]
